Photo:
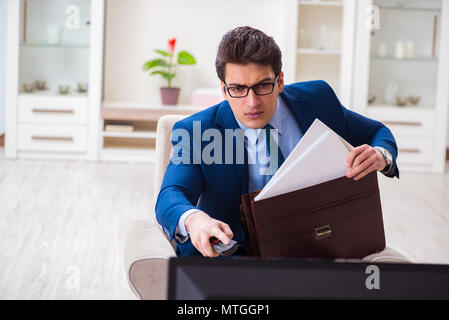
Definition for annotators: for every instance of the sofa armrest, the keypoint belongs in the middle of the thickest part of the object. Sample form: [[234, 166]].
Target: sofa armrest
[[146, 255], [388, 255]]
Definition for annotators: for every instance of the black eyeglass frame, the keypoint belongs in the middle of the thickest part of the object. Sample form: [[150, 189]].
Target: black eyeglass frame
[[252, 87]]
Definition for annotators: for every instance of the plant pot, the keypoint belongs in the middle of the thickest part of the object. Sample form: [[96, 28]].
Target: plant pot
[[170, 95]]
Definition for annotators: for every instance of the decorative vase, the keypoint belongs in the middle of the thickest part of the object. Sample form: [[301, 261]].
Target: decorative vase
[[390, 92], [170, 95]]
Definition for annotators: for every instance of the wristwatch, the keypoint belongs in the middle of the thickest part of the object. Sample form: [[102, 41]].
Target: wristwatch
[[387, 156]]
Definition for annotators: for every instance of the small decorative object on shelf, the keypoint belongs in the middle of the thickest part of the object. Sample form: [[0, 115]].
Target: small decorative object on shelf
[[82, 87], [371, 99], [28, 87], [414, 100], [167, 69], [63, 89], [410, 49], [40, 85], [206, 97], [119, 127], [400, 50], [401, 102], [390, 92], [382, 50], [54, 34]]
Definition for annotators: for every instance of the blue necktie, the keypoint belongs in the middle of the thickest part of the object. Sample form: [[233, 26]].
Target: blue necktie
[[275, 162]]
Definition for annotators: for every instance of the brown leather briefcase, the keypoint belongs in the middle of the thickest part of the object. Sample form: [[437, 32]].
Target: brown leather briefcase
[[340, 218]]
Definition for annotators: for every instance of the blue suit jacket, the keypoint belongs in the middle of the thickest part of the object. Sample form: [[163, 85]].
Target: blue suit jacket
[[217, 188]]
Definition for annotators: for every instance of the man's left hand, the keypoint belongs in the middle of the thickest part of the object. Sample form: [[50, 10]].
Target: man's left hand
[[363, 160]]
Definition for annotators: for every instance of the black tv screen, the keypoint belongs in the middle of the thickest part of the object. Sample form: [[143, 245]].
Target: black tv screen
[[198, 278]]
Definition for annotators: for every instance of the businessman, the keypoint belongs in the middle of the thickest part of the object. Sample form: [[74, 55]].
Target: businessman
[[201, 191]]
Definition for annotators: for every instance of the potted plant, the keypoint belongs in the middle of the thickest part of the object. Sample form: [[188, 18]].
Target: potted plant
[[166, 66]]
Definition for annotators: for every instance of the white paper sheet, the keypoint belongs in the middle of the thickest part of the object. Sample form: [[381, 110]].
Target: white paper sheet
[[319, 156]]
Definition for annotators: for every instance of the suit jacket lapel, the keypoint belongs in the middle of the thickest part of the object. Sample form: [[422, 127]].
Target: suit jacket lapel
[[299, 107], [226, 120]]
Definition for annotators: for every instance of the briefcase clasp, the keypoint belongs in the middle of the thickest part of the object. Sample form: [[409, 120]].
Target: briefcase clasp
[[323, 232]]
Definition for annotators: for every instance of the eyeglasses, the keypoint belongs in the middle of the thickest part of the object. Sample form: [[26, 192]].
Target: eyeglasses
[[260, 89]]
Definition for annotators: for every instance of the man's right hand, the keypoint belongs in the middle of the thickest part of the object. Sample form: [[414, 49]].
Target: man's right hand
[[202, 227]]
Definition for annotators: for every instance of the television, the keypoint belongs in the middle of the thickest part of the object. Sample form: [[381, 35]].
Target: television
[[250, 278]]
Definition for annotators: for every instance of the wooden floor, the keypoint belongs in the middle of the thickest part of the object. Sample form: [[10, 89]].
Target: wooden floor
[[62, 224]]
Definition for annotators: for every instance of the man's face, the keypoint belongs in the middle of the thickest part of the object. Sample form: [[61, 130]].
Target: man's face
[[253, 111]]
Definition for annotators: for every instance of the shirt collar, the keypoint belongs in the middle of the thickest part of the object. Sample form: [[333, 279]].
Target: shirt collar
[[275, 122]]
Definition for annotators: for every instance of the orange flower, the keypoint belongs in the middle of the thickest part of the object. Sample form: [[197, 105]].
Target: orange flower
[[171, 45]]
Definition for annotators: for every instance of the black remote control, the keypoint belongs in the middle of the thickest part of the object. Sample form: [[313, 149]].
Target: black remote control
[[222, 249]]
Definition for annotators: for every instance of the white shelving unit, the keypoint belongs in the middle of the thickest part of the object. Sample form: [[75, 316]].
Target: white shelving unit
[[61, 43], [318, 51], [323, 31], [406, 54], [135, 134], [139, 144], [327, 3]]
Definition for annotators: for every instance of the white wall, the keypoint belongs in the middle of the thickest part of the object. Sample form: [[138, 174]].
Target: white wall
[[134, 28], [2, 64]]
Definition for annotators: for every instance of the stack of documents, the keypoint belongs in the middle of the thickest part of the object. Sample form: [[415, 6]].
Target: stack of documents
[[319, 156]]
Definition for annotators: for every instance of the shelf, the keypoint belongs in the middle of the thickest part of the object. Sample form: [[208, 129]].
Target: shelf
[[318, 51], [403, 8], [321, 3], [124, 105], [402, 108], [128, 149], [416, 59], [53, 94], [142, 112], [129, 143], [128, 154], [138, 145], [49, 45], [133, 134]]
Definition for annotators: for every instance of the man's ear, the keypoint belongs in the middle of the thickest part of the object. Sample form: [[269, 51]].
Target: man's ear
[[223, 90], [281, 81]]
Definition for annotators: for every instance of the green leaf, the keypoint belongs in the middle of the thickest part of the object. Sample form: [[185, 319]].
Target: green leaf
[[163, 52], [166, 75], [185, 58], [154, 63]]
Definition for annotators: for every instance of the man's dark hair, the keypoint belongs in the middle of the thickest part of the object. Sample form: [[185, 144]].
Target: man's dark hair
[[244, 45]]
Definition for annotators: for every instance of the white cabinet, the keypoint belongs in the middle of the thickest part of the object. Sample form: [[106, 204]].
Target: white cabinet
[[323, 34], [52, 44], [52, 109], [47, 123], [402, 78], [55, 138]]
